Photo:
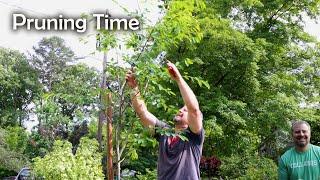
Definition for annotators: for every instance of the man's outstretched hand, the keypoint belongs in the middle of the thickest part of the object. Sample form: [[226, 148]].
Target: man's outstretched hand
[[131, 79], [173, 71]]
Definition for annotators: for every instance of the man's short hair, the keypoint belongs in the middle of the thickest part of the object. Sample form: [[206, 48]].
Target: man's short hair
[[299, 122]]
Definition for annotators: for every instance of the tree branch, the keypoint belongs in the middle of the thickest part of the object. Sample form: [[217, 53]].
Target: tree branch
[[221, 79]]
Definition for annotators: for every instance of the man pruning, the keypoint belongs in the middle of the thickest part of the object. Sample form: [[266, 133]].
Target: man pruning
[[178, 160]]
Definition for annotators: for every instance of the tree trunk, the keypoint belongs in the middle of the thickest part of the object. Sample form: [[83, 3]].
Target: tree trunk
[[118, 154], [118, 131], [102, 116], [99, 133], [109, 137]]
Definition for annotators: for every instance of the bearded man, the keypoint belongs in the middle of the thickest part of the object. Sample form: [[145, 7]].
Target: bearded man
[[303, 160]]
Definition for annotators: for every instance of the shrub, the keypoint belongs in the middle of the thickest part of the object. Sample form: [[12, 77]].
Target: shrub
[[249, 167], [62, 164], [209, 166]]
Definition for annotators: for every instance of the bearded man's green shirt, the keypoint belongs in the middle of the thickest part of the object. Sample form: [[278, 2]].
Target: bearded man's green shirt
[[296, 165]]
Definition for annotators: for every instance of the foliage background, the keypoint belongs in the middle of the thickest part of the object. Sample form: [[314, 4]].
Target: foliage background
[[251, 64]]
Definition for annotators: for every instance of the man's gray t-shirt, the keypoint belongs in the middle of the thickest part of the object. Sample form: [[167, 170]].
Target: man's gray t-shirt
[[182, 160]]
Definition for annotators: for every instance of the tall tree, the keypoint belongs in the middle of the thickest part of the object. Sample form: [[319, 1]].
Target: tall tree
[[18, 87], [72, 100], [67, 89], [50, 58]]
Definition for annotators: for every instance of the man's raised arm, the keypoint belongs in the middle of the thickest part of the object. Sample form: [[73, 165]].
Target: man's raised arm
[[147, 119], [189, 98]]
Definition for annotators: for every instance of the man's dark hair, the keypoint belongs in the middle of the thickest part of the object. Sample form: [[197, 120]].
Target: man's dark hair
[[299, 122]]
